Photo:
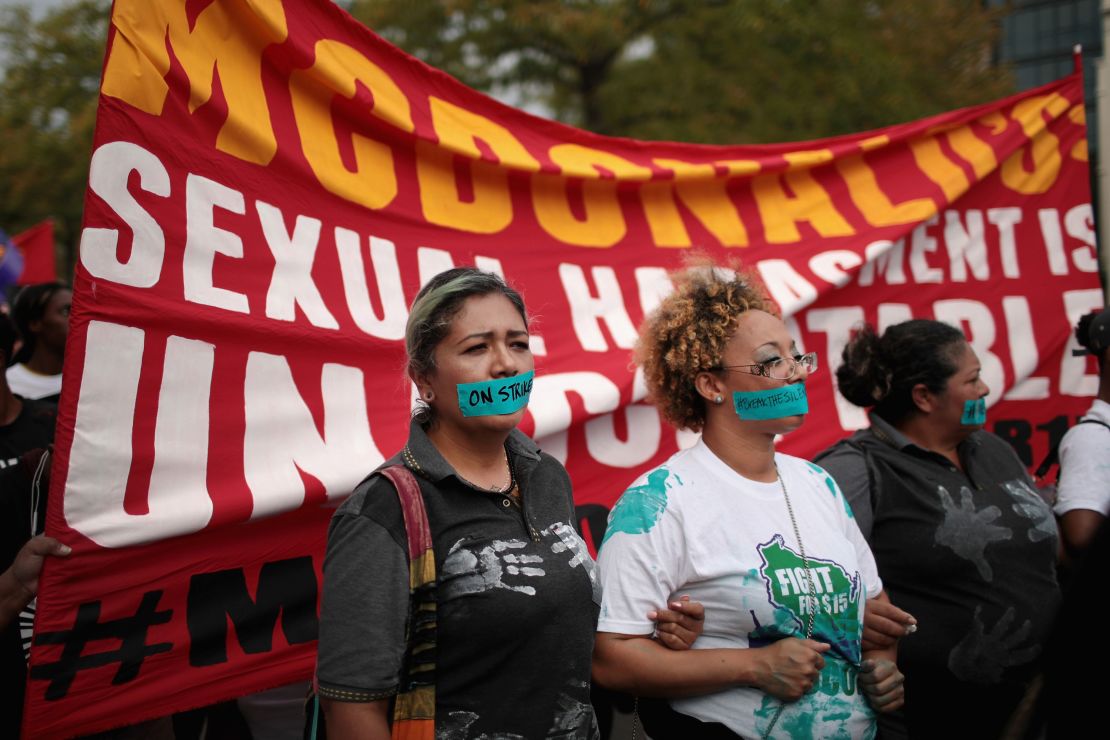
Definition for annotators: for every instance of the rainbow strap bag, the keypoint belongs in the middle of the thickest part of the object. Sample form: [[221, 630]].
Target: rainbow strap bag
[[414, 706]]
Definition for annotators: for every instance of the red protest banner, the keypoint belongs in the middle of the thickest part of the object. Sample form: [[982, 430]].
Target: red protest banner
[[37, 245], [270, 185]]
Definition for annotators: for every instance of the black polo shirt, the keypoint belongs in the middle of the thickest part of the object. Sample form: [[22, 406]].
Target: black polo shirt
[[517, 599], [971, 553]]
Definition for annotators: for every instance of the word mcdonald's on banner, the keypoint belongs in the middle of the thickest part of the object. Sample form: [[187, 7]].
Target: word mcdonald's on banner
[[271, 184]]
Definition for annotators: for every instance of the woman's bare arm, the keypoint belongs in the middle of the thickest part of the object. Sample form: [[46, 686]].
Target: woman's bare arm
[[350, 720], [637, 664], [884, 623], [1078, 528]]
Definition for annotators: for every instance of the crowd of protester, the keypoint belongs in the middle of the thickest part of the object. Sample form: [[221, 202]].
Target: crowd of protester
[[904, 584]]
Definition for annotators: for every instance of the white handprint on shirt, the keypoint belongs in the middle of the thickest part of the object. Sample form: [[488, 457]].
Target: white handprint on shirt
[[984, 655], [474, 571], [967, 531]]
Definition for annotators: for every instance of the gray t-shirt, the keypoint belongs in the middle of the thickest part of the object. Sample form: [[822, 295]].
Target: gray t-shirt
[[517, 599]]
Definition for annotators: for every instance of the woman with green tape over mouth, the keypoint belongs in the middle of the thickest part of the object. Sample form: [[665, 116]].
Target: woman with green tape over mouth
[[963, 539], [496, 639], [764, 540]]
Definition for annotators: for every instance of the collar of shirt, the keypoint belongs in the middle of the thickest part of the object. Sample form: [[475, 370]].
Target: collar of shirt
[[887, 433], [435, 468]]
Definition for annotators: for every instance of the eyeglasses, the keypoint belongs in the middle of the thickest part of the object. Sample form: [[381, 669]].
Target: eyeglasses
[[780, 368]]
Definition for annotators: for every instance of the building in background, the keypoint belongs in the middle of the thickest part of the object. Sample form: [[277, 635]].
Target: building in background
[[1038, 37], [1102, 133], [1037, 40]]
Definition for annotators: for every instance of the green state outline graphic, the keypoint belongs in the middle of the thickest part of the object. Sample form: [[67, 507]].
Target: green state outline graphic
[[855, 583]]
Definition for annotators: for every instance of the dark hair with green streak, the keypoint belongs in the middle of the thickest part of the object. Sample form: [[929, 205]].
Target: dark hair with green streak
[[434, 309]]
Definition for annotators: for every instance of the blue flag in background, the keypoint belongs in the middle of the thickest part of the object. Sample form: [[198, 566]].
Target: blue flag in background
[[11, 262]]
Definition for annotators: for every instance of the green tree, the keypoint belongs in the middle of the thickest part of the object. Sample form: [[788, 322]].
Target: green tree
[[556, 52], [728, 71], [48, 94]]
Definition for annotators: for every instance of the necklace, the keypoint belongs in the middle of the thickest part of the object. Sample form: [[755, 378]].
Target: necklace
[[809, 586], [505, 489]]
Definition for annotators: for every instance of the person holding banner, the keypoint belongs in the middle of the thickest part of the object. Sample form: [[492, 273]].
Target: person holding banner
[[516, 593], [764, 540], [962, 538], [20, 582]]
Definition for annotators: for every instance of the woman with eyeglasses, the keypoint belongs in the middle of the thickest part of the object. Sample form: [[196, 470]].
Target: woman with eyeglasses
[[962, 538], [764, 540]]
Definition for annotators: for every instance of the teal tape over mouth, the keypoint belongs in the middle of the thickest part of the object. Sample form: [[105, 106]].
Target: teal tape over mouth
[[773, 403], [975, 413], [495, 397]]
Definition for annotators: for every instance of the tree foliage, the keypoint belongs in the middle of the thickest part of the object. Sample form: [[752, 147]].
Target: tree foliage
[[718, 71], [556, 52], [723, 71], [48, 93]]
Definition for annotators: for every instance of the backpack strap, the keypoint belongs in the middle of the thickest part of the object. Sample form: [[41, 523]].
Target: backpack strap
[[415, 704], [874, 481], [1053, 455], [1094, 421]]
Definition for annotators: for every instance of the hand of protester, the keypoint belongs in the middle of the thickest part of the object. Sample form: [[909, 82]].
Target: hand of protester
[[882, 682], [679, 626], [884, 624], [28, 561], [790, 667]]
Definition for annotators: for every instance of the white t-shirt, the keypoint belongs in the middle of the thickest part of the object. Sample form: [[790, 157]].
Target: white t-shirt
[[29, 384], [694, 526], [1085, 465]]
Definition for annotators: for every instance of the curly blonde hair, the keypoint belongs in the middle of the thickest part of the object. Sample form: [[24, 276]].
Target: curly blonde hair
[[687, 335]]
